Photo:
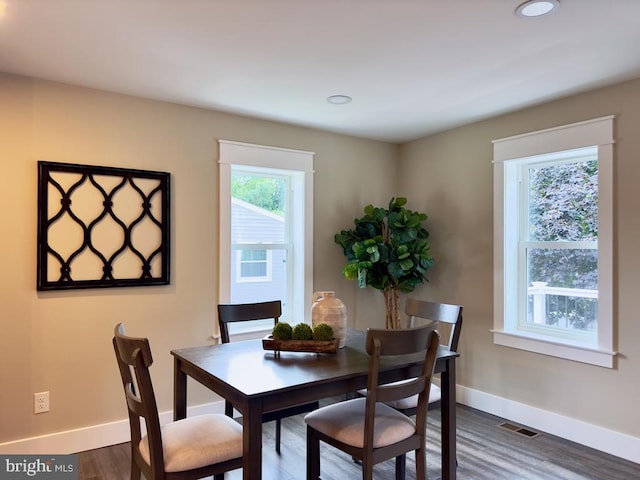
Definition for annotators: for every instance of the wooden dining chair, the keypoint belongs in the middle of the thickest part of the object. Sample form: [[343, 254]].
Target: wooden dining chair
[[191, 448], [366, 427], [420, 312], [244, 312]]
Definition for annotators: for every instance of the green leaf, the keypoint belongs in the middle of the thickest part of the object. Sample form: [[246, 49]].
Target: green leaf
[[368, 210], [397, 203], [383, 251], [359, 249], [395, 270], [409, 285], [406, 264]]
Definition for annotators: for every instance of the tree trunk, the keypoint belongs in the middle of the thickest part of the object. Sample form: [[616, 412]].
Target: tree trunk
[[392, 308], [388, 308], [396, 303]]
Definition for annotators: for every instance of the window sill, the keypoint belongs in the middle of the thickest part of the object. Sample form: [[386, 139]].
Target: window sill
[[584, 354]]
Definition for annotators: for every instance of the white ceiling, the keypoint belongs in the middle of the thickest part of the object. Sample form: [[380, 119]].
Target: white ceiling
[[413, 67]]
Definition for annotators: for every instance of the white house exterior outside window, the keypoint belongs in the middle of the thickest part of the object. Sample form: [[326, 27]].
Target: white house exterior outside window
[[553, 237], [266, 253], [254, 265]]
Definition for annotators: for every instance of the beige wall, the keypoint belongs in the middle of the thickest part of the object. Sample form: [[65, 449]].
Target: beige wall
[[450, 175], [61, 341]]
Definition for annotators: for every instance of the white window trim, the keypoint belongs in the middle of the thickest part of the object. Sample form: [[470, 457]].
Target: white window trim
[[597, 132], [238, 153]]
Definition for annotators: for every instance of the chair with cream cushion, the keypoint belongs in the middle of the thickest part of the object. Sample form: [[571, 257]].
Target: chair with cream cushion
[[191, 448], [367, 428]]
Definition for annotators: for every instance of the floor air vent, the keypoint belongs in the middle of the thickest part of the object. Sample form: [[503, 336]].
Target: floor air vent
[[517, 429]]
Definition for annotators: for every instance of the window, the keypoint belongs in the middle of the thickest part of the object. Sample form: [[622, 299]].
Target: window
[[266, 224], [553, 242], [254, 265]]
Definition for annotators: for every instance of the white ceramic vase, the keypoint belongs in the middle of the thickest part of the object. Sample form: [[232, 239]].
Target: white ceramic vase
[[329, 309]]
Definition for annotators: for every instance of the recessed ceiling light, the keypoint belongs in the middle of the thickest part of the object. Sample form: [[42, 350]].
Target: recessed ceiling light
[[339, 99], [537, 8]]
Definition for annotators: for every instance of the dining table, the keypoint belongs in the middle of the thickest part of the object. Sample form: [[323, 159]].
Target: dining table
[[256, 380]]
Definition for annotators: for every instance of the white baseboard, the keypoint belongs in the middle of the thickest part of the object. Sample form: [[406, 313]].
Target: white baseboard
[[603, 439], [88, 438], [610, 441]]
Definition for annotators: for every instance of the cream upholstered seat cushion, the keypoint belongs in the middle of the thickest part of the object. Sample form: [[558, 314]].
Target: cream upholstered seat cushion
[[197, 441], [344, 421], [435, 394]]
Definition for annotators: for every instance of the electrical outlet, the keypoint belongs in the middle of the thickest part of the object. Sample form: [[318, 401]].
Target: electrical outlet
[[41, 402]]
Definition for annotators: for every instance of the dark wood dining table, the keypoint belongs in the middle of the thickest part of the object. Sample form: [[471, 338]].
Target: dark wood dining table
[[257, 380]]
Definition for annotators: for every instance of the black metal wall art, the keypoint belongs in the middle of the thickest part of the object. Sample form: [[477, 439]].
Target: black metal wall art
[[101, 227]]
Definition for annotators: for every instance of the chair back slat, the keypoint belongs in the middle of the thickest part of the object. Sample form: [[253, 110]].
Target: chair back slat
[[399, 342], [390, 392], [420, 310], [229, 313]]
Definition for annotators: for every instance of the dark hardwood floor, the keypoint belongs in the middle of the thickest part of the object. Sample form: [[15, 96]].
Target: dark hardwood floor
[[485, 452]]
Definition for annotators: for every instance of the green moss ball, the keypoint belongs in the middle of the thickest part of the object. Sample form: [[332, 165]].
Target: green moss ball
[[302, 331], [282, 331], [322, 331]]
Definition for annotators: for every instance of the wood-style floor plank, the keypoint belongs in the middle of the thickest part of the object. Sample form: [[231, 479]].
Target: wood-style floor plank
[[485, 452]]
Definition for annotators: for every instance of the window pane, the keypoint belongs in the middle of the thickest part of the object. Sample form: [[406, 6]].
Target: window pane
[[566, 268], [265, 287], [563, 202], [253, 270], [258, 210], [258, 217], [254, 255], [562, 288]]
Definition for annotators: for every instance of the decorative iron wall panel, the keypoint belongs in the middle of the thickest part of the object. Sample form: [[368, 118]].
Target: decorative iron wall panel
[[101, 227]]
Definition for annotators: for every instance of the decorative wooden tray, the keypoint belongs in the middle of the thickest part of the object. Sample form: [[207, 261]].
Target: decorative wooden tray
[[315, 346]]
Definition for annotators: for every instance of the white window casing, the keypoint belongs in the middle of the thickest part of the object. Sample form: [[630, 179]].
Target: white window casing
[[558, 142], [300, 165]]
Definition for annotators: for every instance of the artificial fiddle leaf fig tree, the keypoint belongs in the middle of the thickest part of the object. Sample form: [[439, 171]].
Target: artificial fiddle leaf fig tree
[[388, 249]]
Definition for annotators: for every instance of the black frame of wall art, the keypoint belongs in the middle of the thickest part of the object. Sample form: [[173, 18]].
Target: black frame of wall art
[[91, 176]]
